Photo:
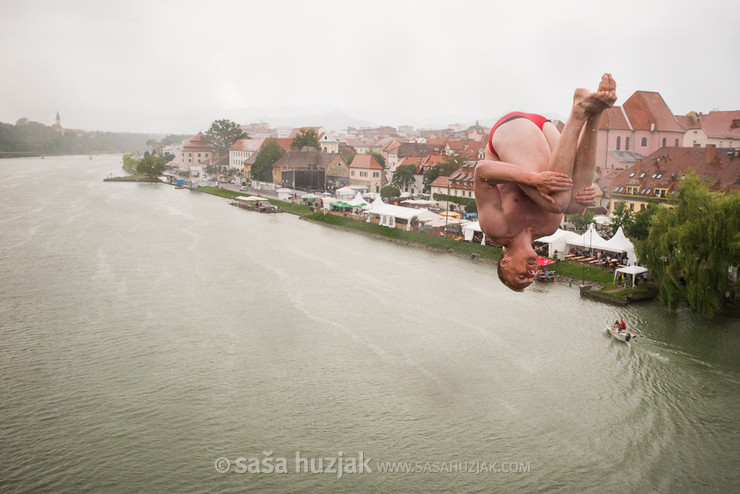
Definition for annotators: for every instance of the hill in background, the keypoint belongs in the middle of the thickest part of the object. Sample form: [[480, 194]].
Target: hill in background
[[28, 138]]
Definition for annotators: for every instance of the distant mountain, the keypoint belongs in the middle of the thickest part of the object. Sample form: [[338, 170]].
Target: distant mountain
[[339, 120]]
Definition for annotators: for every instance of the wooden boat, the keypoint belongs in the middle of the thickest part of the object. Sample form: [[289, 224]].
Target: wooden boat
[[621, 334]]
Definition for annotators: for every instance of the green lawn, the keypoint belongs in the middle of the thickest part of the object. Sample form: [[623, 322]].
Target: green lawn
[[565, 268], [424, 239]]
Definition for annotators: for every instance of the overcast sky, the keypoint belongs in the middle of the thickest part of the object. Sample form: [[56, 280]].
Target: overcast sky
[[175, 66]]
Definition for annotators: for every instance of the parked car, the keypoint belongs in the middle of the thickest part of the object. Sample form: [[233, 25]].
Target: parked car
[[243, 188]]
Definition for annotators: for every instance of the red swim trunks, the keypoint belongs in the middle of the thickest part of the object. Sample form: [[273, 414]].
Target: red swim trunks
[[538, 120]]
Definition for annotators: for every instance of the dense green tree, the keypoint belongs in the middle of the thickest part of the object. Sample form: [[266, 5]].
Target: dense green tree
[[691, 249], [621, 216], [390, 191], [151, 166], [638, 227], [305, 137], [580, 221], [223, 133], [32, 137], [269, 154], [403, 176], [451, 164]]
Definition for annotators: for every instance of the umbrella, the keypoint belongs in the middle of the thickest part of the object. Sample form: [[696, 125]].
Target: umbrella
[[309, 196], [543, 261]]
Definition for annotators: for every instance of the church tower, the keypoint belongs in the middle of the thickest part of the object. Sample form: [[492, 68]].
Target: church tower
[[58, 124]]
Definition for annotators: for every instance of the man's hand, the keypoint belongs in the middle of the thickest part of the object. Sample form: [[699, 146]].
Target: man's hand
[[586, 196], [548, 182]]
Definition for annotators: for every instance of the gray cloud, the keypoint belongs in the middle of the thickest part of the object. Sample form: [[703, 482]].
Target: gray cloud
[[171, 66]]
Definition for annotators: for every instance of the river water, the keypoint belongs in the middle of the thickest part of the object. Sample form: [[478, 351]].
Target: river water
[[152, 337]]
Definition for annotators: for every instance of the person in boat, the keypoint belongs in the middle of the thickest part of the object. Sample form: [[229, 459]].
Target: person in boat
[[533, 174], [616, 326], [622, 324]]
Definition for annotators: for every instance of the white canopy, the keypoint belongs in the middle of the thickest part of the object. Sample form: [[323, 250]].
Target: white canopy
[[591, 239], [558, 241], [561, 240], [470, 229], [358, 201], [620, 243], [249, 198], [633, 270], [389, 213], [345, 193], [420, 202]]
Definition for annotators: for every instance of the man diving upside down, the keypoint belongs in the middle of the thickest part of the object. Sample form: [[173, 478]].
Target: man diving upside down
[[532, 174]]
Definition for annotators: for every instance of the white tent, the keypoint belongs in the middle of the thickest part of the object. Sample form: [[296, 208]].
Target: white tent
[[249, 198], [470, 229], [591, 239], [633, 270], [558, 241], [421, 202], [388, 214], [358, 201], [620, 243], [345, 193]]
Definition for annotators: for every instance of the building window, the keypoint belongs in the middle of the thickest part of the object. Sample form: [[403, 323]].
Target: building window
[[644, 141], [676, 143], [664, 142], [619, 143], [627, 144]]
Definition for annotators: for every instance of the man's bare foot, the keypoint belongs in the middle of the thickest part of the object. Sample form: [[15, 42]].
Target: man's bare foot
[[608, 90], [586, 103]]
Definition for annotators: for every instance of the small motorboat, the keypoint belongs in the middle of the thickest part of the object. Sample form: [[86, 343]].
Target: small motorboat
[[621, 334]]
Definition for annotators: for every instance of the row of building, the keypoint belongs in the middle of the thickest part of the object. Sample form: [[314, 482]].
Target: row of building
[[642, 151]]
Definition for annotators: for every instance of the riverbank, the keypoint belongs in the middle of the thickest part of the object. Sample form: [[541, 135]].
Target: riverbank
[[132, 178], [600, 281]]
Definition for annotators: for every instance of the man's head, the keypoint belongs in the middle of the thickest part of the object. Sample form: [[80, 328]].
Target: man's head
[[517, 267]]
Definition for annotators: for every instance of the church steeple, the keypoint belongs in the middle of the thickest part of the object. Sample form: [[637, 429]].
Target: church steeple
[[58, 124]]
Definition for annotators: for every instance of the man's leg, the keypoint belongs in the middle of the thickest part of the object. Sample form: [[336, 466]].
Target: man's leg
[[585, 163]]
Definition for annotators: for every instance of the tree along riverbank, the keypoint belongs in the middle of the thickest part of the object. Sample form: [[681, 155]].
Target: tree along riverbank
[[600, 280]]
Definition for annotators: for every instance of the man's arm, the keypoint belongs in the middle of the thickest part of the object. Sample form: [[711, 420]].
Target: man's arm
[[546, 182], [490, 213]]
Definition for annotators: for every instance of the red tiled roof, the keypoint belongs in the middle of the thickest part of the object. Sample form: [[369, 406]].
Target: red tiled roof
[[688, 122], [365, 161], [647, 110], [284, 143], [253, 145], [440, 181], [197, 144], [613, 118], [409, 160], [721, 124], [720, 170]]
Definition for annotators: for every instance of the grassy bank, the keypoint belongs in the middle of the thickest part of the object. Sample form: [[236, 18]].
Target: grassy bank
[[422, 239], [583, 272], [132, 178], [299, 209], [564, 268]]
